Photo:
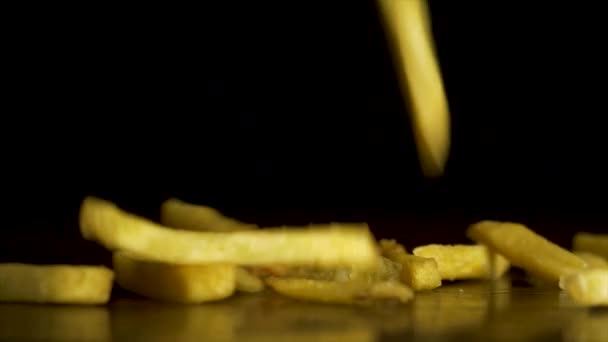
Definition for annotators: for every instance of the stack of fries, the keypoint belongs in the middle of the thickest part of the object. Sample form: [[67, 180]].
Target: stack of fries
[[196, 255]]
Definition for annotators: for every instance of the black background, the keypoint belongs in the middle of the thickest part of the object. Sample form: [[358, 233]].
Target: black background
[[289, 113]]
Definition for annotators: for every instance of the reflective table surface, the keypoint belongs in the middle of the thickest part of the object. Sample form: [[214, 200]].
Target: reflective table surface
[[504, 310]]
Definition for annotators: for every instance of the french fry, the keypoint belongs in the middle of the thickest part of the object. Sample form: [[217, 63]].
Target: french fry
[[592, 260], [526, 249], [391, 290], [594, 243], [325, 291], [179, 214], [408, 29], [587, 287], [464, 261], [420, 273], [351, 292], [385, 270], [330, 245], [248, 282], [417, 272], [172, 282], [60, 284]]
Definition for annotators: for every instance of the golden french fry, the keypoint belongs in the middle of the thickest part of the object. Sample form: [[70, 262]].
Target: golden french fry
[[351, 292], [391, 290], [385, 270], [62, 284], [179, 214], [172, 282], [526, 249], [587, 287], [247, 281], [419, 273], [318, 290], [322, 245], [176, 213], [464, 261], [408, 28], [391, 247], [594, 243], [592, 260]]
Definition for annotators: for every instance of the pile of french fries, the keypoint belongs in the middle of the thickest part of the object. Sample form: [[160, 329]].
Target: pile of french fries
[[196, 255]]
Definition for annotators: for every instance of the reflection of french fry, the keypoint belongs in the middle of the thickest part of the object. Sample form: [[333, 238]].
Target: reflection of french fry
[[526, 249], [322, 245], [523, 324], [417, 272], [54, 323], [339, 292], [176, 283], [440, 312], [274, 319], [464, 261], [152, 322], [587, 287], [178, 214], [55, 284], [248, 282], [593, 260], [594, 243], [586, 327]]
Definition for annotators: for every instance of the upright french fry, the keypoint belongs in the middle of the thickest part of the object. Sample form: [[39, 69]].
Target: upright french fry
[[351, 292], [419, 273], [248, 282], [464, 261], [594, 243], [172, 282], [592, 260], [60, 284], [587, 287], [526, 249], [322, 245], [179, 214]]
